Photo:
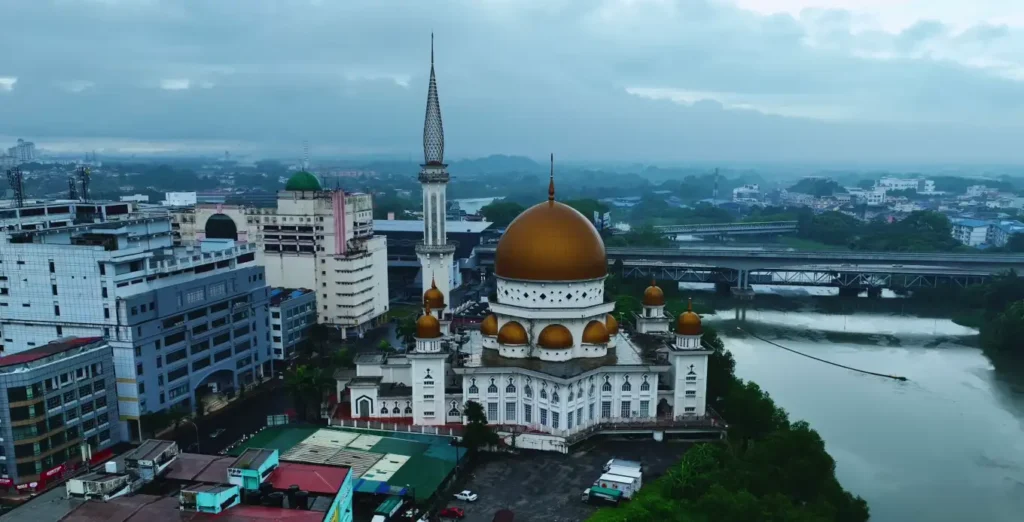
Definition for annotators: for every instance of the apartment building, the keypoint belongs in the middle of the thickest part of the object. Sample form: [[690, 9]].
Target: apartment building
[[318, 239], [177, 318], [57, 404]]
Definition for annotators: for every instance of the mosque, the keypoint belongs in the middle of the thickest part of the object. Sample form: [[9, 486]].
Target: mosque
[[550, 359]]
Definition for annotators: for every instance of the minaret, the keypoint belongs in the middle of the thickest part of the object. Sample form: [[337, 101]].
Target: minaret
[[435, 254], [652, 317], [428, 371], [689, 361]]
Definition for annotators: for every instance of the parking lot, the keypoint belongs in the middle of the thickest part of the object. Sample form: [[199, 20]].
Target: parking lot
[[544, 486]]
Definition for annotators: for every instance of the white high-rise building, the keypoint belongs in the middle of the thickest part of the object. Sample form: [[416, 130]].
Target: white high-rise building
[[321, 240], [177, 318], [436, 255]]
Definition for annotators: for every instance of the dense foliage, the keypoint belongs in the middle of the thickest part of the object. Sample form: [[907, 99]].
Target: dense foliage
[[768, 470], [818, 187], [501, 212]]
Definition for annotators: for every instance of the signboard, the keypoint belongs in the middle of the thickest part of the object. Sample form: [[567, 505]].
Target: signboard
[[234, 472], [6, 482], [49, 474]]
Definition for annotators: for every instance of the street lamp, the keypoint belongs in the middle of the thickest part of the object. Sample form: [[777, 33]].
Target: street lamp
[[196, 426]]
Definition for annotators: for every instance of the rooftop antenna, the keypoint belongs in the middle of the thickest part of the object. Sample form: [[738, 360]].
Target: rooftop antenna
[[72, 189], [17, 182], [305, 155], [83, 178], [714, 195]]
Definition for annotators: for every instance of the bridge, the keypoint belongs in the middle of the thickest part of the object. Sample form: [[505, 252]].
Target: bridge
[[845, 269], [730, 229]]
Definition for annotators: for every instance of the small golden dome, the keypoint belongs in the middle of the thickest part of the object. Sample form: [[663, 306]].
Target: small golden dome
[[555, 337], [427, 326], [653, 296], [512, 333], [489, 326], [595, 333], [612, 324], [433, 296], [689, 322], [551, 241]]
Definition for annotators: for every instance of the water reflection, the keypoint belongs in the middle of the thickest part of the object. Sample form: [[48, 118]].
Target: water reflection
[[947, 444]]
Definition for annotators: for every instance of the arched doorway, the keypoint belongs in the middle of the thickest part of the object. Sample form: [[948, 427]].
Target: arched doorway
[[364, 405], [220, 226], [664, 409]]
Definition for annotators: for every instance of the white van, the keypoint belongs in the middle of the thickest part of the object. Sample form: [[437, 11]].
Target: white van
[[622, 464]]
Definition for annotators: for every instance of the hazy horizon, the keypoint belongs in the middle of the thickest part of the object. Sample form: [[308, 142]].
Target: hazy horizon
[[828, 82]]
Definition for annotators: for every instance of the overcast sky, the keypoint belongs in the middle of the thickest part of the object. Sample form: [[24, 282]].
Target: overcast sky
[[634, 80]]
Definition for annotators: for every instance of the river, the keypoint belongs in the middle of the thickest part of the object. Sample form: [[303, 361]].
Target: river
[[946, 445]]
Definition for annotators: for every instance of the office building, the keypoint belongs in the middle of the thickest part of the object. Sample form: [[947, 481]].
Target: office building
[[292, 314], [177, 318], [58, 405], [318, 239], [22, 152]]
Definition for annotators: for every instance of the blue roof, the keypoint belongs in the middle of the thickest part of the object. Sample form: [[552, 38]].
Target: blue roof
[[971, 222], [279, 295]]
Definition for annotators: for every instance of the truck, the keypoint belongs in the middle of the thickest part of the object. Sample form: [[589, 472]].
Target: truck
[[627, 485], [633, 473], [622, 463], [599, 495]]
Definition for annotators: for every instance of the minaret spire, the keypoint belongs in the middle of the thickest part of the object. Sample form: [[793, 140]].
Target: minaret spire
[[551, 182], [433, 129]]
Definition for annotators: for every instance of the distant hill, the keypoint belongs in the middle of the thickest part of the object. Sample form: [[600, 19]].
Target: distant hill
[[494, 164]]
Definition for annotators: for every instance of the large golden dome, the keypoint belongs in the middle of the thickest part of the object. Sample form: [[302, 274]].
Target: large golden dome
[[612, 324], [489, 326], [434, 297], [595, 333], [427, 326], [653, 296], [512, 333], [555, 337], [689, 322], [551, 241]]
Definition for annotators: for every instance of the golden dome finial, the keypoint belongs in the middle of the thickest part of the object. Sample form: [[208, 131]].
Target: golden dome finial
[[689, 304], [428, 327], [551, 182], [689, 323], [433, 296]]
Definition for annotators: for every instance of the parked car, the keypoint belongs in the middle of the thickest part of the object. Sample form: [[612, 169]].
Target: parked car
[[467, 495], [452, 512]]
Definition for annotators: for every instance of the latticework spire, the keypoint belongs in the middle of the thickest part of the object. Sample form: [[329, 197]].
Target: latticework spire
[[433, 129]]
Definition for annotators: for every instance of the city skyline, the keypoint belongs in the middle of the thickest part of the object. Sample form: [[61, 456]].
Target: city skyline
[[780, 80]]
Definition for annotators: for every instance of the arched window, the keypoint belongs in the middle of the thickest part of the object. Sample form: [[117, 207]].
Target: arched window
[[383, 410], [626, 386], [473, 389], [492, 388], [607, 386], [408, 410], [592, 389], [396, 410], [571, 396], [645, 386], [554, 396], [528, 391], [543, 393], [511, 388], [454, 412]]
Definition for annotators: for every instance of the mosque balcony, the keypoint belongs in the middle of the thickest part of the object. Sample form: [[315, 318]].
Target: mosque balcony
[[568, 312], [423, 248], [710, 422], [434, 174]]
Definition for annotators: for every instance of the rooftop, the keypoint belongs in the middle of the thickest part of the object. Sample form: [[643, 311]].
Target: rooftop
[[280, 295], [149, 450], [326, 480], [193, 467], [252, 458], [416, 225], [46, 350]]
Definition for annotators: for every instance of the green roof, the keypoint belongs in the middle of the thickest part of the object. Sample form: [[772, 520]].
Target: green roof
[[302, 180]]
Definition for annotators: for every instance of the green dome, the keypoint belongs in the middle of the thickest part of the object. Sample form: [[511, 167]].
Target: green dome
[[302, 180]]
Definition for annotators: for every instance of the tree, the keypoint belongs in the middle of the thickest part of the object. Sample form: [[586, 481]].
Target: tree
[[501, 212], [477, 433], [1015, 243], [1002, 334], [385, 346], [818, 187], [406, 330], [306, 384]]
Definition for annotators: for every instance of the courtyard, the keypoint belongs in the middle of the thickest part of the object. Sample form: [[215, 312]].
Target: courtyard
[[545, 486]]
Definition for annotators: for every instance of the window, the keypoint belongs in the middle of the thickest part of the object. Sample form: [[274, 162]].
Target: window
[[428, 397], [626, 386], [492, 412], [71, 414], [543, 393], [138, 351], [101, 402], [52, 269], [87, 407], [606, 387], [624, 409], [52, 402], [590, 411], [69, 396], [511, 388], [99, 385], [106, 313], [689, 409], [554, 397], [473, 389], [527, 413], [572, 396], [510, 412], [454, 412], [528, 391], [396, 410], [645, 408], [691, 378], [568, 420], [408, 410], [56, 309], [383, 410], [85, 390], [543, 417], [142, 388], [105, 435], [579, 416], [492, 389], [645, 386], [275, 315], [691, 393], [554, 419], [428, 414], [591, 390], [138, 369], [606, 409], [174, 375]]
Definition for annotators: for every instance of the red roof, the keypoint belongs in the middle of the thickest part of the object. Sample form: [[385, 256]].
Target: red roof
[[46, 350], [325, 480], [244, 513]]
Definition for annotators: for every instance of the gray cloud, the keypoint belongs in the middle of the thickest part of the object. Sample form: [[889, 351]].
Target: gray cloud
[[522, 77]]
